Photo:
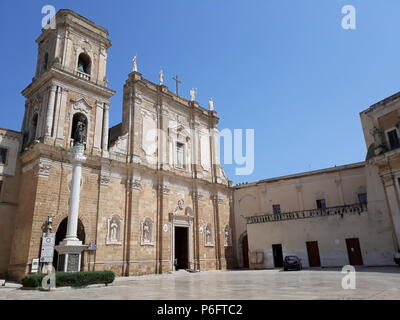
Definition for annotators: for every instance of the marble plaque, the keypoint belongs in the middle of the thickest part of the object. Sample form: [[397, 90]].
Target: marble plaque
[[73, 262]]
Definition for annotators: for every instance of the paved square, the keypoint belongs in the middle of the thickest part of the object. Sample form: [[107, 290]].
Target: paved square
[[371, 283]]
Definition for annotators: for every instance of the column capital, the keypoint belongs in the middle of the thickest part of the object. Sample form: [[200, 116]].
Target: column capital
[[78, 156]]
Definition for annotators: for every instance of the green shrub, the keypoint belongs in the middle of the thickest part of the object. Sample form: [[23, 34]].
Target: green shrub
[[71, 279], [32, 280]]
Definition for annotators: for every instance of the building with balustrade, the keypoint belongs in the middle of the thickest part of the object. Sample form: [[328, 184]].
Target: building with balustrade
[[332, 217]]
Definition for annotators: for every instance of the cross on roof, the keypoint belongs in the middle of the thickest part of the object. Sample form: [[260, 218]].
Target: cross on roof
[[178, 81]]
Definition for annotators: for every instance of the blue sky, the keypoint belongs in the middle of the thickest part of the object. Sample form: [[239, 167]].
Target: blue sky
[[284, 68]]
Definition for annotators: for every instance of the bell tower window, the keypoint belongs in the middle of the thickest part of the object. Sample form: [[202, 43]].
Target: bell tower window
[[84, 63], [34, 127]]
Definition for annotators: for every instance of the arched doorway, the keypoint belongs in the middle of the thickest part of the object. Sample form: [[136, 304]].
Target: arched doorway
[[245, 251], [60, 236]]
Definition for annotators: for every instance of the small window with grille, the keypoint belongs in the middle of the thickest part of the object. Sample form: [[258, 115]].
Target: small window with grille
[[321, 204], [276, 208]]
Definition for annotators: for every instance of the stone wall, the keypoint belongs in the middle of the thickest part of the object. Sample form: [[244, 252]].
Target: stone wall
[[9, 191]]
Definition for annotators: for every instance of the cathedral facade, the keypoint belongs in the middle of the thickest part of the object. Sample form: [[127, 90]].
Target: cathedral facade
[[154, 197]]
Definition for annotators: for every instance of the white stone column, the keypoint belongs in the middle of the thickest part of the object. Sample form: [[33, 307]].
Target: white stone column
[[98, 127], [70, 249], [106, 120], [77, 159], [59, 130], [50, 110]]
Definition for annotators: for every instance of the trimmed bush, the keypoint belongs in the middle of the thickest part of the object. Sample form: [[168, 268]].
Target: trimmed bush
[[32, 280], [71, 279]]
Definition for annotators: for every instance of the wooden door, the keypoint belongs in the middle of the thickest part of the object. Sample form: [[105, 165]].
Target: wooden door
[[245, 250], [313, 254], [181, 248], [354, 252], [278, 255]]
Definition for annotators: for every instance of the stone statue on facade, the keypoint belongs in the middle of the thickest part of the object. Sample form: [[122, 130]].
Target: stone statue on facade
[[211, 104], [193, 93], [146, 232], [208, 235], [114, 231], [227, 237], [161, 77], [379, 143], [180, 206], [80, 131], [134, 64]]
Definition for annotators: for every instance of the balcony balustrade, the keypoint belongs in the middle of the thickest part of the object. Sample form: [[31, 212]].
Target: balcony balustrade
[[357, 208], [83, 75]]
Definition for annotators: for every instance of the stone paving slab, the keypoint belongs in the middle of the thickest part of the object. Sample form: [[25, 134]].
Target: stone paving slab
[[371, 283]]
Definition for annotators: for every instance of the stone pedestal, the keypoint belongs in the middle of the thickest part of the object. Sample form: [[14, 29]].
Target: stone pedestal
[[70, 249], [69, 255]]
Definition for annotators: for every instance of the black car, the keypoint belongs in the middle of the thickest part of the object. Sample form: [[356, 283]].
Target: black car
[[292, 262]]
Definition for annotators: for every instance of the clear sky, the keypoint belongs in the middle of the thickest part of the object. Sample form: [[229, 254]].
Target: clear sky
[[285, 68]]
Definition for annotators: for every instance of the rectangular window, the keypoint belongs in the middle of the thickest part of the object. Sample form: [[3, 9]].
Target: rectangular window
[[276, 208], [3, 155], [362, 198], [1, 186], [321, 204], [393, 139], [180, 155]]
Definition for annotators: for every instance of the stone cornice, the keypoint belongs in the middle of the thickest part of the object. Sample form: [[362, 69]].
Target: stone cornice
[[11, 134], [168, 96], [375, 107], [54, 74], [384, 158], [63, 21], [96, 162]]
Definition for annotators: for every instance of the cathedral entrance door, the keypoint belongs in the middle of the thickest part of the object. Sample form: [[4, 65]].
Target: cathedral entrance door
[[181, 248]]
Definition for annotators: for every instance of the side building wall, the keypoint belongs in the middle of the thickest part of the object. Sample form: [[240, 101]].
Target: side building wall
[[298, 194], [9, 190]]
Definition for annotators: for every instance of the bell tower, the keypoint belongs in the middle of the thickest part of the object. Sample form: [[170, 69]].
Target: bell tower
[[70, 83]]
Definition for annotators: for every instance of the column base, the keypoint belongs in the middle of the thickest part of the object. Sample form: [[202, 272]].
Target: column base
[[70, 252]]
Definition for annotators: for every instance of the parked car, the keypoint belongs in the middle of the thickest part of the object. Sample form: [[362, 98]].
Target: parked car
[[292, 262], [397, 257]]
